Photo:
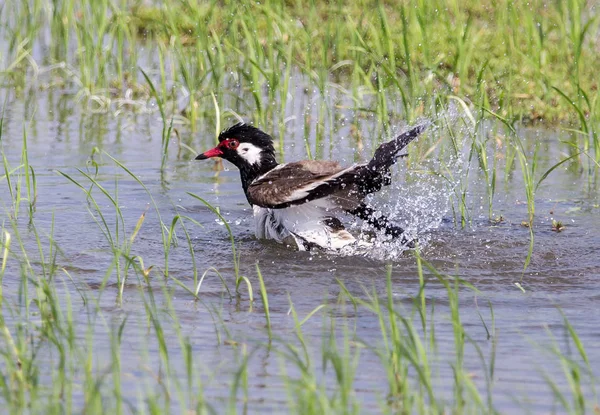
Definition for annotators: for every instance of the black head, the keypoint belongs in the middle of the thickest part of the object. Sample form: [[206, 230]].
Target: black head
[[242, 144], [249, 148]]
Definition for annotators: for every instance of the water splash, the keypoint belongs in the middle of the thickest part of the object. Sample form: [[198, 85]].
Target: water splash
[[419, 207], [422, 201]]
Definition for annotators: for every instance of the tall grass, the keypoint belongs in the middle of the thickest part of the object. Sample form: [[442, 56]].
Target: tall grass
[[204, 64], [41, 329], [424, 55]]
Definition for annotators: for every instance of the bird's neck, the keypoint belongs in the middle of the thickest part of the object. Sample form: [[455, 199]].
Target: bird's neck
[[250, 172]]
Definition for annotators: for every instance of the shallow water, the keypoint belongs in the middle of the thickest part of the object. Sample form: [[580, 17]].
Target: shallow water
[[563, 274]]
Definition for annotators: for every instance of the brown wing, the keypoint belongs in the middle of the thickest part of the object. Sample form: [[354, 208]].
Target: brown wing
[[296, 183]]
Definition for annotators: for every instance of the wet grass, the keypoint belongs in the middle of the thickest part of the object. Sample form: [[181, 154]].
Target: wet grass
[[45, 332], [41, 330], [480, 71], [508, 57]]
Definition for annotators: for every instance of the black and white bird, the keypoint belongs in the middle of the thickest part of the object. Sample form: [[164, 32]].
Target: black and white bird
[[296, 203]]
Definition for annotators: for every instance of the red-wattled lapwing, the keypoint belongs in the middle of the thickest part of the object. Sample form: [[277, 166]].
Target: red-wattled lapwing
[[296, 203]]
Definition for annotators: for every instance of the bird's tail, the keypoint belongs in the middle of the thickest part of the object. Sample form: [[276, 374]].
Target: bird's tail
[[387, 153]]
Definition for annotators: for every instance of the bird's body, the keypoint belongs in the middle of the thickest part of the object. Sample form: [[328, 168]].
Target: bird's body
[[298, 203], [303, 227]]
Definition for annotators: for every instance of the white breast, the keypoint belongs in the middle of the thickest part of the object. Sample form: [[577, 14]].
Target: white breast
[[301, 223]]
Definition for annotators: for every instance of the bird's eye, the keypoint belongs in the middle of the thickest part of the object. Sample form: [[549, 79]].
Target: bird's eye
[[233, 144]]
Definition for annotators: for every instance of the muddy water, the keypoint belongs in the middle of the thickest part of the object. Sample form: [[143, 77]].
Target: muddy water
[[563, 274]]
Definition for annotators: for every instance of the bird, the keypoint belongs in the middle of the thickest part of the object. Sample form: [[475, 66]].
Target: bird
[[298, 203]]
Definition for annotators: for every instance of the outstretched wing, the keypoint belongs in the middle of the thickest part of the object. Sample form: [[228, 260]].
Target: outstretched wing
[[300, 182], [386, 154]]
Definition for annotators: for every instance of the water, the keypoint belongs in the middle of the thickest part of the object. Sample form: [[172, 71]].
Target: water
[[563, 273]]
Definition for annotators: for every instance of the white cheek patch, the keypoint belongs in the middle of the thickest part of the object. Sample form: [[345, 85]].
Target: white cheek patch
[[249, 152]]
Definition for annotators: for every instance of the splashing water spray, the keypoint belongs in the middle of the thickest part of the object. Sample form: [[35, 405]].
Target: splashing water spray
[[421, 202]]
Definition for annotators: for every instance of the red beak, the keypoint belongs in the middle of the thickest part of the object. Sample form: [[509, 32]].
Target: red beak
[[215, 152]]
